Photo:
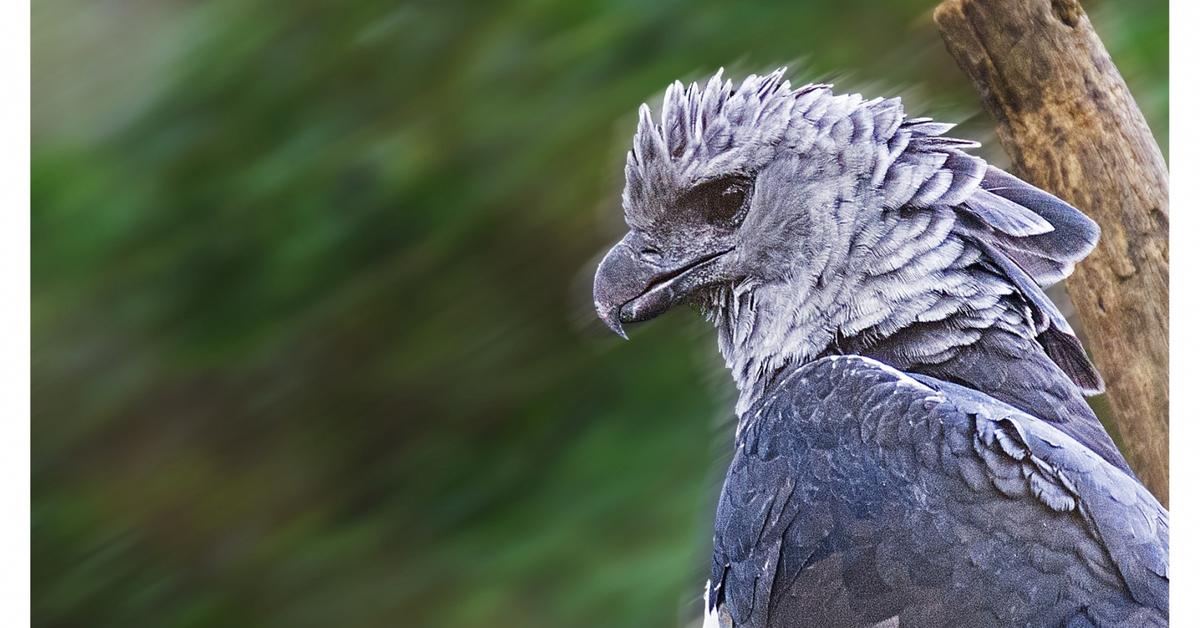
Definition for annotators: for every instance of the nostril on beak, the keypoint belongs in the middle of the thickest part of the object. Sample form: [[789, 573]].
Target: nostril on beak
[[650, 254]]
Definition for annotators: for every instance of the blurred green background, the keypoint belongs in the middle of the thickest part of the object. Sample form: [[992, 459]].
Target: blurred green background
[[311, 324]]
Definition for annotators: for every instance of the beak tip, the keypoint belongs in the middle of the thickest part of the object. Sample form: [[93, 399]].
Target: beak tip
[[612, 319]]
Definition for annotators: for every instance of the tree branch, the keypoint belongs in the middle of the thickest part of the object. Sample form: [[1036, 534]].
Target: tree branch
[[1067, 119]]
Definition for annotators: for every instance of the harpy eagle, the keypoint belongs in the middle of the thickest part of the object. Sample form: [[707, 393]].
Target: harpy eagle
[[913, 447]]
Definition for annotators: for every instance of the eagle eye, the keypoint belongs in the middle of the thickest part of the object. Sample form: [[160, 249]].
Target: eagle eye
[[721, 201]]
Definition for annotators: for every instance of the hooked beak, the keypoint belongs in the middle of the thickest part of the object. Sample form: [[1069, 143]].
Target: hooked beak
[[630, 289]]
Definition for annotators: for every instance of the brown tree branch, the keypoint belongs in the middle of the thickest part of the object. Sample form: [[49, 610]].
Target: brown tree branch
[[1067, 119]]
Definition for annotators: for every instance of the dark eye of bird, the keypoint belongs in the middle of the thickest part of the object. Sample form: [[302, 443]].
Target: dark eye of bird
[[722, 200]]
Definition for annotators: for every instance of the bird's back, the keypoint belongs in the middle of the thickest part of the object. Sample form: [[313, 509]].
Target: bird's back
[[859, 495]]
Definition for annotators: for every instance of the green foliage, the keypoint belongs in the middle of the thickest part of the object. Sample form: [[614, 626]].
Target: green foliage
[[312, 339]]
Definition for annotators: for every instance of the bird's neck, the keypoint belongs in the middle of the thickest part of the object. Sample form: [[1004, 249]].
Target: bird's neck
[[912, 288], [764, 330]]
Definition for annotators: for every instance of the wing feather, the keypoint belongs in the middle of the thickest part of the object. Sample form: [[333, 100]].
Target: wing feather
[[859, 494]]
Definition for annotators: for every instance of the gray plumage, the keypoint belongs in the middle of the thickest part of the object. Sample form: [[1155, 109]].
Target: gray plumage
[[808, 225], [858, 494]]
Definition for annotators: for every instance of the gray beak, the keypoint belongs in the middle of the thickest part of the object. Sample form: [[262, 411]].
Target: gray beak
[[630, 288]]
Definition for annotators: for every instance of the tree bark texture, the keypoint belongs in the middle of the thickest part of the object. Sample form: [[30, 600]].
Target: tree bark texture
[[1066, 118]]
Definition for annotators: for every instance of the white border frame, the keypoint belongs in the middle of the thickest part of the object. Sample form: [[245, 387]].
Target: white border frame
[[14, 315], [1185, 303]]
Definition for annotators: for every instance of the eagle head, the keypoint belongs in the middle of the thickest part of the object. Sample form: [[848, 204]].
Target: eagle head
[[716, 194]]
